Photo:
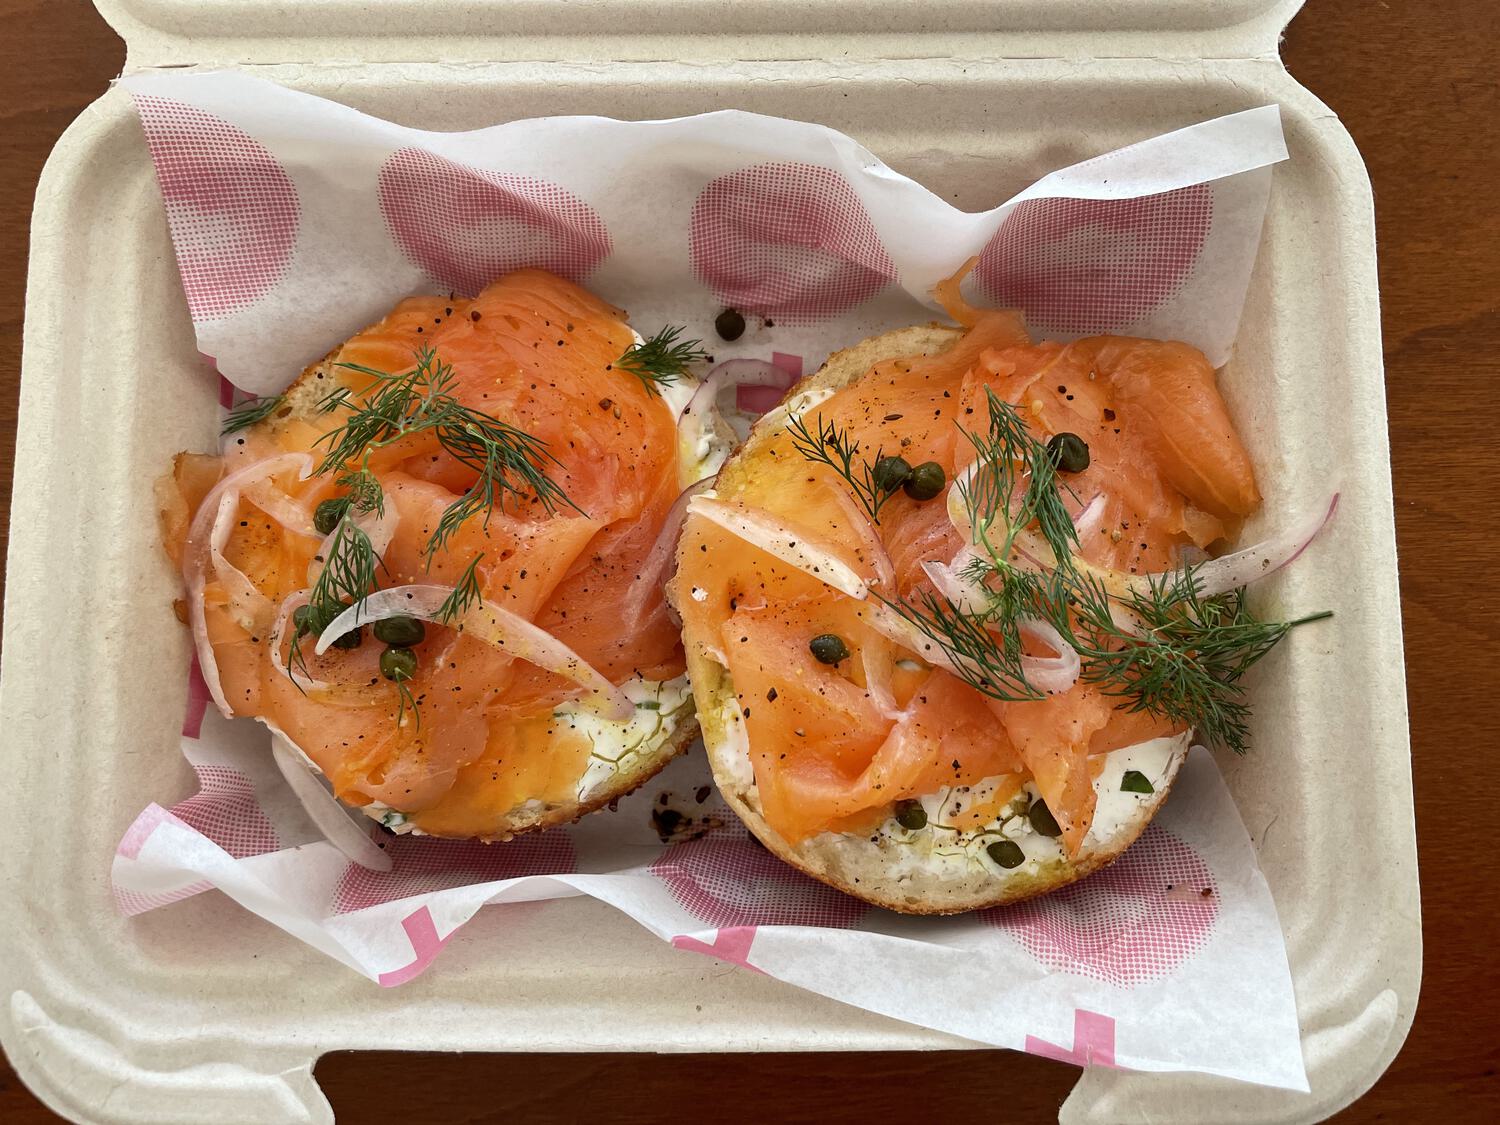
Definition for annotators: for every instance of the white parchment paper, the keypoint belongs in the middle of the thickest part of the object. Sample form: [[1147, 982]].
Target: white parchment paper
[[297, 221]]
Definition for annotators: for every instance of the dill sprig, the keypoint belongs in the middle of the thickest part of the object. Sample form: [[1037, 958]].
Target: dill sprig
[[987, 662], [661, 360], [507, 461], [1186, 661], [247, 414], [465, 593], [405, 701], [1163, 646], [1011, 460], [834, 447], [348, 572]]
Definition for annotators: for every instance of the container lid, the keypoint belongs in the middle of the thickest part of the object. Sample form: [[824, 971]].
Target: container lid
[[219, 33]]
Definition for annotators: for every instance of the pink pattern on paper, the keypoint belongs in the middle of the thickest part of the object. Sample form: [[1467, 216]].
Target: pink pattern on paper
[[152, 817], [225, 809], [421, 931], [466, 226], [787, 240], [423, 864], [131, 903], [731, 944], [1093, 1042], [232, 209], [1136, 920], [1095, 265], [728, 879]]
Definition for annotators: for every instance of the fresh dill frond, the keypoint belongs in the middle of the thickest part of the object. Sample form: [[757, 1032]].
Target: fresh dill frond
[[363, 490], [405, 702], [835, 448], [661, 360], [348, 572], [507, 461], [1187, 660], [987, 659], [1013, 461], [465, 593], [247, 414]]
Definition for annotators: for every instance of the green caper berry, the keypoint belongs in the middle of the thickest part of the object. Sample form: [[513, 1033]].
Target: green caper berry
[[911, 815], [1069, 452], [829, 648], [1007, 853], [352, 639], [729, 324], [398, 663], [891, 473], [926, 481], [303, 619], [327, 514], [399, 632], [1042, 820]]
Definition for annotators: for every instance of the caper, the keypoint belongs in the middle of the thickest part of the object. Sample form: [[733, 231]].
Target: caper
[[327, 514], [398, 663], [399, 631], [303, 619], [1007, 853], [352, 639], [1042, 820], [1068, 452], [926, 481], [729, 324], [891, 473], [829, 648], [911, 815]]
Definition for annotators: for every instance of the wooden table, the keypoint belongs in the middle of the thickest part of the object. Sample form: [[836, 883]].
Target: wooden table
[[1417, 85]]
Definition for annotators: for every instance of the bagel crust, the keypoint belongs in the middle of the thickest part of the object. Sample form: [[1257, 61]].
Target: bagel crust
[[926, 871]]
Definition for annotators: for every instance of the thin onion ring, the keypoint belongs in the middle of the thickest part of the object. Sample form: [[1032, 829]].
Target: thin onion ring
[[493, 625]]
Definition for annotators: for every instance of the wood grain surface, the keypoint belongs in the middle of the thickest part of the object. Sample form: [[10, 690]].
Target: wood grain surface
[[1416, 84]]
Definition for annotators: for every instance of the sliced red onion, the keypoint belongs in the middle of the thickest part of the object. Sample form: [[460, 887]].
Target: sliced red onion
[[1045, 673], [289, 605], [291, 515], [248, 605], [340, 826], [780, 542], [659, 562], [966, 595], [879, 668], [699, 416], [1054, 674], [1029, 545], [1230, 572], [859, 523], [198, 550], [496, 627], [750, 399]]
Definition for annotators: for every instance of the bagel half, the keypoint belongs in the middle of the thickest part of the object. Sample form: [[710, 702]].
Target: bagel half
[[628, 751], [929, 870]]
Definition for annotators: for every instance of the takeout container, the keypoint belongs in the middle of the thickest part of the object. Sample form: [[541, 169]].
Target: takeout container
[[202, 1012]]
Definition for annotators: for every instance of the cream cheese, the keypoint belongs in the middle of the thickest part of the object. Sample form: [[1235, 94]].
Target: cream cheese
[[939, 848], [621, 745]]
